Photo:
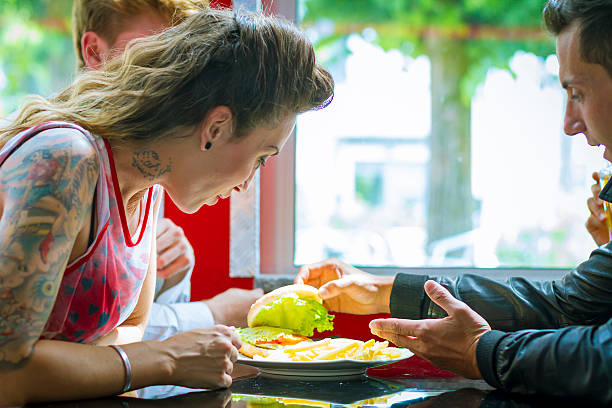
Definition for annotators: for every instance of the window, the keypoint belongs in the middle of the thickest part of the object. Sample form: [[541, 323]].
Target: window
[[443, 147]]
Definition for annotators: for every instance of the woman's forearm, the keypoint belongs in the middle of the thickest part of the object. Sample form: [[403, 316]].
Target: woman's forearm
[[60, 370]]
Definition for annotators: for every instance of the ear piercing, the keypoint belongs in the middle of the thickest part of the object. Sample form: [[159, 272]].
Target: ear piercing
[[207, 146]]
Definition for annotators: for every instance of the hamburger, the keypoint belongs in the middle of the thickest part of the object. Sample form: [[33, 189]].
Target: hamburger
[[285, 316]]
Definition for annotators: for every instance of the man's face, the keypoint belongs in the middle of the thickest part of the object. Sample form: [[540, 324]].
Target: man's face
[[589, 93]]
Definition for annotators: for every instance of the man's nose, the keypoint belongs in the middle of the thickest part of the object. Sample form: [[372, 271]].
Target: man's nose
[[572, 123]]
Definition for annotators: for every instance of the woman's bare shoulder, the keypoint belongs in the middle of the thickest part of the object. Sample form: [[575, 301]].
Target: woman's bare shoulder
[[50, 158]]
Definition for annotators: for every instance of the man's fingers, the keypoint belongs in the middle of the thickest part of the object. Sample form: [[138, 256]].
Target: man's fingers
[[442, 297], [311, 274], [163, 225], [596, 208], [303, 274], [169, 255], [328, 291], [403, 327], [334, 288], [396, 334], [171, 237]]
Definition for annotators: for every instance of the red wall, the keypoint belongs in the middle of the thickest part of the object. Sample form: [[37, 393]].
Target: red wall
[[208, 231]]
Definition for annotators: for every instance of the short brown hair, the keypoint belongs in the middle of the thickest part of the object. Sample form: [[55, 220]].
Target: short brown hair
[[107, 17], [595, 26]]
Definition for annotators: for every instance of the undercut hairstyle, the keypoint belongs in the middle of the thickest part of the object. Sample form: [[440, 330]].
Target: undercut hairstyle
[[108, 18], [594, 18], [262, 68]]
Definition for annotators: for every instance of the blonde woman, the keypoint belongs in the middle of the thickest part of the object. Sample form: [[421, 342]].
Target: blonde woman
[[101, 30], [194, 110]]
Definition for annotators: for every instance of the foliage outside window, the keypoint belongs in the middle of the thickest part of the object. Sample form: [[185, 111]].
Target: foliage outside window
[[36, 52]]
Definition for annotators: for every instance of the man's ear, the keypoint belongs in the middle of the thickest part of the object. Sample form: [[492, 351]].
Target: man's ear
[[94, 50], [218, 125]]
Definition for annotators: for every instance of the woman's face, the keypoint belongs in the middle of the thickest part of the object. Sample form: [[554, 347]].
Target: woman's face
[[229, 165]]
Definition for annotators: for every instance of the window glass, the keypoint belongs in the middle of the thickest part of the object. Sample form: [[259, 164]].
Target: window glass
[[444, 143]]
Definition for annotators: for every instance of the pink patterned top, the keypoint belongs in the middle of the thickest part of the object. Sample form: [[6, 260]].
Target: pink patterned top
[[100, 289]]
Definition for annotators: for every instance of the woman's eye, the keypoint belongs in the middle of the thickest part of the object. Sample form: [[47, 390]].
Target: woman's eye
[[261, 162]]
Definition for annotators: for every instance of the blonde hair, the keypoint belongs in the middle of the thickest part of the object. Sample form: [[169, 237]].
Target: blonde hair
[[261, 67], [108, 18]]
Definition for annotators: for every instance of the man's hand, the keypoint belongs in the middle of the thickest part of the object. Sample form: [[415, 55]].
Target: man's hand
[[347, 289], [232, 306], [449, 343], [596, 223], [174, 252]]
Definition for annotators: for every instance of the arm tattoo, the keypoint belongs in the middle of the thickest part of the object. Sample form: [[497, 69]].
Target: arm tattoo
[[150, 165], [46, 197]]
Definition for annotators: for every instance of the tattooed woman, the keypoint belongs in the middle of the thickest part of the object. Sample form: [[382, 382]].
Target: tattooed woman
[[194, 110]]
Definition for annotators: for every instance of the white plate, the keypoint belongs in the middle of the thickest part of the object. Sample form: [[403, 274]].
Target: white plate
[[333, 368]]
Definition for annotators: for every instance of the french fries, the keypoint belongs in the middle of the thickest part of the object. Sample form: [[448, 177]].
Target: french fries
[[334, 349]]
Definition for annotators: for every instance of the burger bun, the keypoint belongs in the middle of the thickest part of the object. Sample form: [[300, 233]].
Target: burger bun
[[300, 290]]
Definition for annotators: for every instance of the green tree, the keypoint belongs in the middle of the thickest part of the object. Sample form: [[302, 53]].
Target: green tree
[[36, 52], [463, 40]]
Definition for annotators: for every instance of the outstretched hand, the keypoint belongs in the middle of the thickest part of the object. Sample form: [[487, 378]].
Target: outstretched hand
[[449, 343], [347, 289]]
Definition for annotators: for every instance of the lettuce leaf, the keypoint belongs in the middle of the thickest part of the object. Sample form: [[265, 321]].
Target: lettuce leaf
[[262, 333], [302, 316]]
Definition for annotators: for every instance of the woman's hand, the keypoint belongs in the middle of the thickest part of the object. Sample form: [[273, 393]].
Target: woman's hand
[[449, 343], [204, 358], [596, 223], [347, 289]]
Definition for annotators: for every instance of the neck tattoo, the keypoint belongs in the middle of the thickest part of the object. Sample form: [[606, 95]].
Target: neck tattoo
[[150, 165]]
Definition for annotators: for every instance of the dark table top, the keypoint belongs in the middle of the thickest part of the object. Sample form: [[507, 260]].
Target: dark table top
[[264, 391]]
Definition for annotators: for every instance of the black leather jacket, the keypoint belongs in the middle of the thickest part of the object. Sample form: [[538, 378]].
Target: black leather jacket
[[549, 337]]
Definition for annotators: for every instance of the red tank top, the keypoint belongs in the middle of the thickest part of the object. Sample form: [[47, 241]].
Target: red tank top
[[100, 289]]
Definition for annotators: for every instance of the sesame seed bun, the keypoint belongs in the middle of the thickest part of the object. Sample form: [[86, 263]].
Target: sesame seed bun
[[300, 290]]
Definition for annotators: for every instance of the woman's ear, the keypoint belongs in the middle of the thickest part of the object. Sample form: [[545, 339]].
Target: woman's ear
[[94, 49], [217, 126]]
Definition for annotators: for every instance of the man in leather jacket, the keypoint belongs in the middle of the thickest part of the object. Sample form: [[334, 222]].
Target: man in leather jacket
[[552, 337]]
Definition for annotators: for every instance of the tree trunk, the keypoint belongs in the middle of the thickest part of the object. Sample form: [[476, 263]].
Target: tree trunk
[[449, 199]]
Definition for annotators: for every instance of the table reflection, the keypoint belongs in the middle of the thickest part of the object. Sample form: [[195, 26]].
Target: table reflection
[[362, 392]]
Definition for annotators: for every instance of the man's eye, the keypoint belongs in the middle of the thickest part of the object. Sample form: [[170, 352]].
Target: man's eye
[[575, 96]]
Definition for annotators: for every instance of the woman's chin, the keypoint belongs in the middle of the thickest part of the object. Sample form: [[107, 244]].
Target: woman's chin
[[189, 208], [193, 207]]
